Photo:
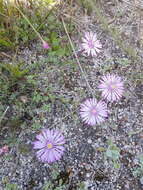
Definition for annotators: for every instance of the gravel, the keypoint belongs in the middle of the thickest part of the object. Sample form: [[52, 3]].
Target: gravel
[[84, 159]]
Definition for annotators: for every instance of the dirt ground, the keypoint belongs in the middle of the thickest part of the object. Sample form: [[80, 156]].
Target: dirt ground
[[84, 159]]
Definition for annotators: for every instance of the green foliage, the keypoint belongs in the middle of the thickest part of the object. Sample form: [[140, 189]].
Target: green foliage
[[138, 172], [60, 48], [11, 140], [124, 62], [134, 132], [86, 4], [13, 71], [23, 33], [46, 108], [13, 82], [81, 186], [113, 152], [10, 186], [23, 148], [56, 182], [36, 125], [14, 29], [4, 41], [37, 97], [51, 184], [7, 185]]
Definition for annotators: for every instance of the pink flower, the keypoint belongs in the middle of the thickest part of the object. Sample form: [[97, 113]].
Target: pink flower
[[90, 44], [4, 150], [93, 112], [45, 45], [112, 87], [50, 145]]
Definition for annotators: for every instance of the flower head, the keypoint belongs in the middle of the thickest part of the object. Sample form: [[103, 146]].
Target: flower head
[[90, 44], [50, 145], [93, 112], [112, 87], [4, 150], [45, 45]]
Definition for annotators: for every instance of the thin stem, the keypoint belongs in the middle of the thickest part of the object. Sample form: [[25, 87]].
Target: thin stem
[[4, 114], [75, 54], [4, 15]]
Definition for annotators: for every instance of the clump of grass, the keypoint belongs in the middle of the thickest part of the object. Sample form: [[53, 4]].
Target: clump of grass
[[13, 81], [13, 71]]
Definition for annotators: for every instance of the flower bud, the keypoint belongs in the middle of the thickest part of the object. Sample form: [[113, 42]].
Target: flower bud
[[45, 45]]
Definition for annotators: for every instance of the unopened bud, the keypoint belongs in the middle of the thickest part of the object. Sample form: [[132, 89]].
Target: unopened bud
[[45, 45]]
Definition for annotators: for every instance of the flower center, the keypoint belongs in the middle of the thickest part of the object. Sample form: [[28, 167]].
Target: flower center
[[49, 145], [94, 111], [91, 45], [112, 86]]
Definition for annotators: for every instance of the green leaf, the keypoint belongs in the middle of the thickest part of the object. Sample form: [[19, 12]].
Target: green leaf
[[141, 158], [61, 52], [36, 126], [136, 172], [48, 185], [113, 151], [14, 70], [5, 42], [46, 107], [10, 186], [116, 165], [141, 180], [110, 142], [124, 61]]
